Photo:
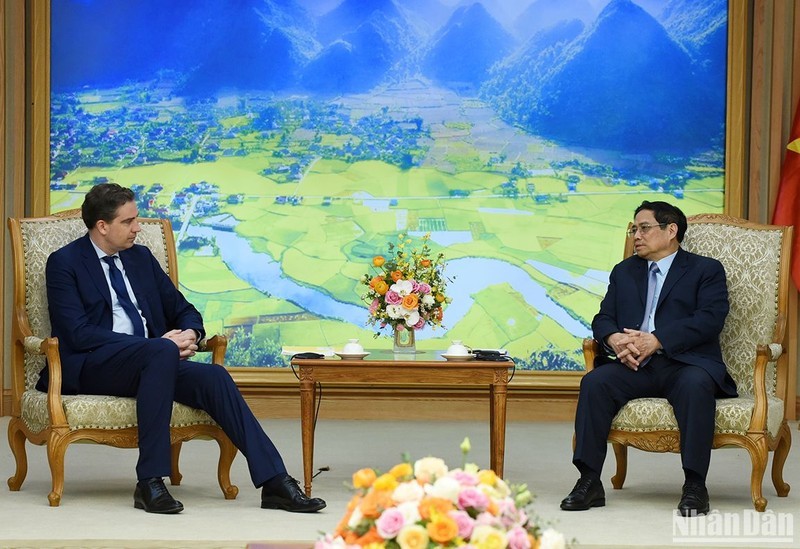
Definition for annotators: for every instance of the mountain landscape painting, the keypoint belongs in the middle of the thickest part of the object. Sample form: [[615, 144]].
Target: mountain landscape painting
[[289, 141]]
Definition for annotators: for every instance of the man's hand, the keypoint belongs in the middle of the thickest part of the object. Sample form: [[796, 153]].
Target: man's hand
[[186, 340], [632, 347]]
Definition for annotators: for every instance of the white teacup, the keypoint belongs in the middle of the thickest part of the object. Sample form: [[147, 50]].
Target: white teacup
[[457, 349], [352, 347]]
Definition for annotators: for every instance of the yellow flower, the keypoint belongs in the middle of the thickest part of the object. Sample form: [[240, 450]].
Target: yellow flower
[[378, 260], [488, 537], [381, 287], [401, 470], [412, 536], [487, 476], [386, 482]]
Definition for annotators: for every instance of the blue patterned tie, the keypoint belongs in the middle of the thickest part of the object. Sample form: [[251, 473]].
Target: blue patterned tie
[[650, 304], [124, 298]]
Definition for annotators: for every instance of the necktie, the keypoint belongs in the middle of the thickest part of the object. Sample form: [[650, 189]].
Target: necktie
[[124, 298], [650, 304]]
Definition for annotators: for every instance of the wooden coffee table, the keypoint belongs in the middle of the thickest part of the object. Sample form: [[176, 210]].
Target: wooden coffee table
[[382, 367]]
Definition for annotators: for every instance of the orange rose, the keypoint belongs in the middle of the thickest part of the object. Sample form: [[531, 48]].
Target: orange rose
[[425, 263], [378, 260], [372, 536], [438, 314], [410, 302], [439, 298], [375, 280], [442, 529], [374, 503], [363, 478], [381, 287], [434, 505], [397, 275]]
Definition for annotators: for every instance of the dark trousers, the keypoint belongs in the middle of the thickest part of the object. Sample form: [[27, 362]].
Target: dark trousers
[[151, 371], [689, 389]]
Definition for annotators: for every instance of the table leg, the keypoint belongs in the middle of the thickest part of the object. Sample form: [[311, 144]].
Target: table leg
[[307, 398], [497, 426]]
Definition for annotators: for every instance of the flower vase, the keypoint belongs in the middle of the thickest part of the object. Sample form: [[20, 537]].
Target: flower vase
[[404, 341]]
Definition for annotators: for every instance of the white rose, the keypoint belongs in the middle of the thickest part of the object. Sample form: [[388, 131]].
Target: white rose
[[445, 488], [408, 491], [394, 311], [410, 511], [552, 539], [430, 468], [428, 300]]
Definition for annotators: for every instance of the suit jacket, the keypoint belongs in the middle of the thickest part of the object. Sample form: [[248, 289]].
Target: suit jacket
[[79, 302], [690, 312]]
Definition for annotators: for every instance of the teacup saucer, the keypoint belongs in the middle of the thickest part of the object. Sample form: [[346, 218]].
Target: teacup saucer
[[458, 358], [352, 356]]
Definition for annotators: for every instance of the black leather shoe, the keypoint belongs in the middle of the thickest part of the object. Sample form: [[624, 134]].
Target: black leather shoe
[[694, 500], [588, 492], [152, 496], [283, 492]]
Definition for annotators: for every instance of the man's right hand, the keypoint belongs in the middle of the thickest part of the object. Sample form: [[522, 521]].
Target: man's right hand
[[186, 340]]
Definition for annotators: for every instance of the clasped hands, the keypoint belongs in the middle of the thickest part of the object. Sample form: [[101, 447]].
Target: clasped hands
[[186, 340], [632, 347]]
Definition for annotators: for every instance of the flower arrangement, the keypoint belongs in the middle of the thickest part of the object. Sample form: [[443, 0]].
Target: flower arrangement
[[427, 505], [407, 288]]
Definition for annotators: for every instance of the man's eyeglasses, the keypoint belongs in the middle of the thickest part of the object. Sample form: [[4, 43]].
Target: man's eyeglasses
[[644, 229]]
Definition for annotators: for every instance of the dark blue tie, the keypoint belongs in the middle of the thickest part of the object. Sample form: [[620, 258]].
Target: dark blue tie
[[124, 298]]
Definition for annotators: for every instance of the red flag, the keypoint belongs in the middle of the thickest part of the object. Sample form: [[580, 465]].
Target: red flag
[[787, 206]]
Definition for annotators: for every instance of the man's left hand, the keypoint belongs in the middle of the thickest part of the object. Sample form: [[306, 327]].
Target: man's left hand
[[646, 342]]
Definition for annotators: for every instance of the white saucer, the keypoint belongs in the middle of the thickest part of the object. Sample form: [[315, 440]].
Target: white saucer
[[458, 358], [352, 356]]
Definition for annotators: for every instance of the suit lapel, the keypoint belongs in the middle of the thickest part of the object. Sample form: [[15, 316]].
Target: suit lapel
[[93, 269], [676, 272], [640, 276]]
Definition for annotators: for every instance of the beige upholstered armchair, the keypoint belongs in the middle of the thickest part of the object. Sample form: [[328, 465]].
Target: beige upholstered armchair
[[57, 420], [756, 261]]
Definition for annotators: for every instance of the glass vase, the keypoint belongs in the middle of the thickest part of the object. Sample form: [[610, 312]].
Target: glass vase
[[404, 341]]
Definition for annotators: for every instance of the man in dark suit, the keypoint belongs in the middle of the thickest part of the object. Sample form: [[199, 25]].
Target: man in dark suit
[[125, 330], [659, 322]]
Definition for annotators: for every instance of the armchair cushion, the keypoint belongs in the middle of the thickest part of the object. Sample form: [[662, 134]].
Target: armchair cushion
[[99, 412], [733, 415]]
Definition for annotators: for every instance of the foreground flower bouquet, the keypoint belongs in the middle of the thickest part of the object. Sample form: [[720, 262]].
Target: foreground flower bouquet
[[428, 505]]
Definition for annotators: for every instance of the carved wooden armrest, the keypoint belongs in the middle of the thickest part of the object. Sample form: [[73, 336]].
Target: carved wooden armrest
[[216, 346]]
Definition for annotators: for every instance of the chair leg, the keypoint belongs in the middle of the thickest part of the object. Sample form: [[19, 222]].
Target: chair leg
[[759, 454], [621, 454], [227, 452], [16, 440], [779, 459], [56, 450], [175, 475]]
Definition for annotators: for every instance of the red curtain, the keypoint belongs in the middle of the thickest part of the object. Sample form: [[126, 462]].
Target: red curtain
[[787, 207]]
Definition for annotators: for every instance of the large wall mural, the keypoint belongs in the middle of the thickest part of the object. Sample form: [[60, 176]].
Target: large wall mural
[[290, 140]]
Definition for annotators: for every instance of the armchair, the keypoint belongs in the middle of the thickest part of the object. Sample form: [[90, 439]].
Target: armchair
[[756, 261], [57, 420]]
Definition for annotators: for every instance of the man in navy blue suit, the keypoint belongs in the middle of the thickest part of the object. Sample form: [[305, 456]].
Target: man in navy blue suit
[[125, 330], [659, 323]]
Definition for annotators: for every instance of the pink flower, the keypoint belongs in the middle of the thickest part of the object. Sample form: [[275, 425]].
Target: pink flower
[[423, 288], [415, 286], [464, 478], [390, 523], [487, 519], [472, 498], [464, 522], [373, 307], [420, 324], [518, 538], [393, 298]]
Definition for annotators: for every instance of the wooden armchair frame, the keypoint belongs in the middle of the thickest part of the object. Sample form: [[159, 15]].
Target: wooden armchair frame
[[55, 420], [763, 384]]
